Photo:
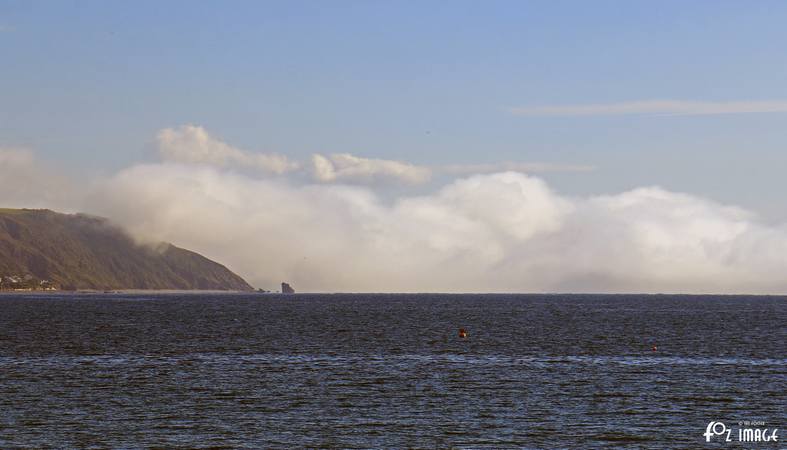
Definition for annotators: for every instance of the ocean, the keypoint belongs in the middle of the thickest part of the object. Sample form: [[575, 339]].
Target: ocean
[[390, 370]]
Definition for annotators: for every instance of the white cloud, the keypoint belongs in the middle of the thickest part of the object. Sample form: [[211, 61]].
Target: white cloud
[[655, 107], [344, 167], [26, 182], [504, 232], [524, 167], [193, 144], [501, 232], [15, 158]]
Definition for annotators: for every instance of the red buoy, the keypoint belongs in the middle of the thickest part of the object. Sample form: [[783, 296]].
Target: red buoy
[[462, 333], [654, 348]]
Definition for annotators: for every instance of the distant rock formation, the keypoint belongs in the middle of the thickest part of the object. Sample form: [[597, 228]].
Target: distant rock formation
[[287, 289]]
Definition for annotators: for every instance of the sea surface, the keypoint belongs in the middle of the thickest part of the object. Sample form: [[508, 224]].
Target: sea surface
[[388, 371]]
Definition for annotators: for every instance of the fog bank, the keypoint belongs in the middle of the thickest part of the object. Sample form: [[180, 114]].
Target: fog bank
[[492, 232]]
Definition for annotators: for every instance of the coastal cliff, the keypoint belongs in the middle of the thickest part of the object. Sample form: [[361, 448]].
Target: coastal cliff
[[77, 251]]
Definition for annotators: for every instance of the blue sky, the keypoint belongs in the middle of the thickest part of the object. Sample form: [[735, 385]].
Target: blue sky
[[89, 84]]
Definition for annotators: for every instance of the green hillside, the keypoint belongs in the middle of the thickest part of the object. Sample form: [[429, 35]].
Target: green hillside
[[84, 252]]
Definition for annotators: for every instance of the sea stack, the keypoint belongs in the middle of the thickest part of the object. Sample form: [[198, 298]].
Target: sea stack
[[287, 289]]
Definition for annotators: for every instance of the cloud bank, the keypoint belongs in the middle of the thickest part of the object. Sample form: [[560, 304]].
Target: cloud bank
[[471, 169], [490, 232], [503, 232], [347, 167], [193, 144], [26, 182], [655, 107]]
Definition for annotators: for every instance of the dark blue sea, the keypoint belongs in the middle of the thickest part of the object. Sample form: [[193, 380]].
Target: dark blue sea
[[389, 371]]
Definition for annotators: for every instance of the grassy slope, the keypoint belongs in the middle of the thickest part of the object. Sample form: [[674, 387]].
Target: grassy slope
[[89, 253]]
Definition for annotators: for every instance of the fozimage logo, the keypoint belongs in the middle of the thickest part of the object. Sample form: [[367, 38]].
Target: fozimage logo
[[717, 429], [728, 434]]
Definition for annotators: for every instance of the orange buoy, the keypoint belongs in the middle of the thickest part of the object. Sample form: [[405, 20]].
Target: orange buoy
[[462, 333]]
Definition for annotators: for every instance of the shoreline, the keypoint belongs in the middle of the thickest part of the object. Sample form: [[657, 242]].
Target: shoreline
[[489, 294]]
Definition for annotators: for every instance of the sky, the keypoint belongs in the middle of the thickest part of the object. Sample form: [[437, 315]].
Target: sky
[[385, 107]]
